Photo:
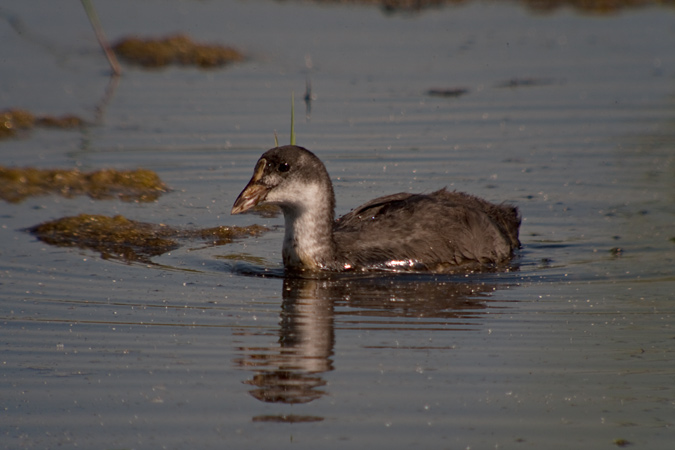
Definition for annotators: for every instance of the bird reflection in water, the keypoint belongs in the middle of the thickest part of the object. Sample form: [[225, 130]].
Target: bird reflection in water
[[291, 371]]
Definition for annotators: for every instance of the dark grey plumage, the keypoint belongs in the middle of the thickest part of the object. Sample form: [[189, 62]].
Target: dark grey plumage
[[441, 231]]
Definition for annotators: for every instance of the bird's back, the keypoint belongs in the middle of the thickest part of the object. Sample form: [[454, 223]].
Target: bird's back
[[427, 231]]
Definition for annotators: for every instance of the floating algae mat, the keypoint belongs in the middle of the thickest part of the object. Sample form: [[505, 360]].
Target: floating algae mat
[[14, 120], [177, 49], [120, 238], [114, 237], [141, 185]]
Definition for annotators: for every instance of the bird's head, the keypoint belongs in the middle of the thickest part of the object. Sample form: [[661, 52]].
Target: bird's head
[[290, 176]]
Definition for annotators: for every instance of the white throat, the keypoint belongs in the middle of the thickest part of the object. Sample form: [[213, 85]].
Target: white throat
[[308, 221]]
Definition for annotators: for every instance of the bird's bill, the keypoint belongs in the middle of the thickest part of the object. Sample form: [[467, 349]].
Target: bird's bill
[[253, 193], [249, 197]]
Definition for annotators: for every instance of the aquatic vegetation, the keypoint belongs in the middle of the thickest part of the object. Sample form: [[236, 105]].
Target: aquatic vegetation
[[120, 238], [176, 49], [141, 185], [621, 442], [114, 237], [223, 234], [65, 121], [14, 120]]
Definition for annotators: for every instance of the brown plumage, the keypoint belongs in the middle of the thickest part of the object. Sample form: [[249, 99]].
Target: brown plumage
[[442, 231]]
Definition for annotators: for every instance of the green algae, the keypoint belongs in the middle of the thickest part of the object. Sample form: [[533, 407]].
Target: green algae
[[142, 185], [116, 237], [177, 49]]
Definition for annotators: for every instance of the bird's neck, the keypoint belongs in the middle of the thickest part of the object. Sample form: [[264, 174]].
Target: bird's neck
[[308, 241]]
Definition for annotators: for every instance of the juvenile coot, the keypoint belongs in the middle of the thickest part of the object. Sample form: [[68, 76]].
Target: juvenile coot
[[441, 231]]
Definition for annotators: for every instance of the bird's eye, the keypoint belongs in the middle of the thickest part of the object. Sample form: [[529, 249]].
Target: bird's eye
[[283, 167]]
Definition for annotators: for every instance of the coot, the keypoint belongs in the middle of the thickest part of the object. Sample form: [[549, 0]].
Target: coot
[[439, 232]]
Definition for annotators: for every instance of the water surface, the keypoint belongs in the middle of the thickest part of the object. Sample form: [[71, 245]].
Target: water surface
[[571, 117]]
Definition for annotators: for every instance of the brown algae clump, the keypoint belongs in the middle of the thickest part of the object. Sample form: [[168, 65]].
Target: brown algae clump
[[13, 120], [120, 238], [66, 121], [130, 185], [224, 235], [114, 237], [176, 49]]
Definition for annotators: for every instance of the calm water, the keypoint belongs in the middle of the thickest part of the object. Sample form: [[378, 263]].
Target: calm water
[[569, 116]]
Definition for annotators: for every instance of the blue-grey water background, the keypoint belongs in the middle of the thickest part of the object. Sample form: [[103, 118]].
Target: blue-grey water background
[[568, 115]]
